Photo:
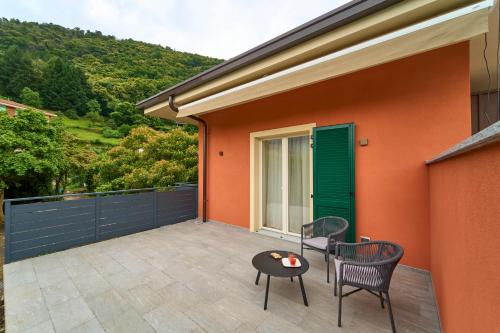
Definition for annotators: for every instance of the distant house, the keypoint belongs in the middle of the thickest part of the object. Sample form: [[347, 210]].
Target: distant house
[[11, 108]]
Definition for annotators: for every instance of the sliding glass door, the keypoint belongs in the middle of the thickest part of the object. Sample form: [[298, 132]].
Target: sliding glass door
[[272, 184], [285, 177], [299, 195]]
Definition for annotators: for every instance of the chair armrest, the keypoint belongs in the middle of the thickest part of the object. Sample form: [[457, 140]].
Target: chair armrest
[[337, 236], [307, 225], [306, 229]]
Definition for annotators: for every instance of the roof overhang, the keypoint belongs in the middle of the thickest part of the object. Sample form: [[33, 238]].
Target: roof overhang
[[164, 111], [453, 27], [13, 105], [350, 12], [396, 31]]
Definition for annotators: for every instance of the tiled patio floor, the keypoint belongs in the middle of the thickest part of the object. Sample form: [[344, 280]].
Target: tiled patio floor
[[194, 278]]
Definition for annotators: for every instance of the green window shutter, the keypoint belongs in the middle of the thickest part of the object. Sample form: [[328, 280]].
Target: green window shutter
[[333, 173]]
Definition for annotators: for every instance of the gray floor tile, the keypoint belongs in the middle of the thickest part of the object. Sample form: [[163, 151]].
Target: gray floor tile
[[51, 276], [60, 292], [92, 326], [142, 298], [128, 322], [45, 327], [91, 283], [165, 319], [107, 305], [24, 307], [21, 274], [70, 314]]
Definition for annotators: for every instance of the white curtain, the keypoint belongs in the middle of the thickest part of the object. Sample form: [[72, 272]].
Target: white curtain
[[298, 183], [272, 207]]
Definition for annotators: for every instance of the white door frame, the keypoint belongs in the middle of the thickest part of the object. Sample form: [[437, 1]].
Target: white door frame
[[256, 139]]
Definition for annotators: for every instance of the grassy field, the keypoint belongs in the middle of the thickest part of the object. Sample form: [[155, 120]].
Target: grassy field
[[86, 132]]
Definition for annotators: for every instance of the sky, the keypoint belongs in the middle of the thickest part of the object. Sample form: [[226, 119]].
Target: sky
[[217, 28]]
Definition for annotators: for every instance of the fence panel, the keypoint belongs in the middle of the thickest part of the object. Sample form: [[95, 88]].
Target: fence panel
[[33, 229], [125, 214], [38, 228], [174, 207]]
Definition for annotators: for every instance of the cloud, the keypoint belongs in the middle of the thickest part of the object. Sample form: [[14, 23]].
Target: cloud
[[219, 28]]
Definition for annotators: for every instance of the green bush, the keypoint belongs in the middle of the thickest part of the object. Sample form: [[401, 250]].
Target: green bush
[[111, 124], [93, 106], [94, 118], [124, 129], [111, 133], [31, 98], [71, 114]]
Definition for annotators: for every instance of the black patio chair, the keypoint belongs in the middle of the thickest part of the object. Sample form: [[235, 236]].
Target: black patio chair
[[321, 235], [366, 266]]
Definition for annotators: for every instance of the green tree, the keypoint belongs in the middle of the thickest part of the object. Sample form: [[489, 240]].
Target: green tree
[[76, 166], [32, 154], [64, 87], [147, 158], [94, 118], [16, 72], [31, 98], [93, 106], [124, 113]]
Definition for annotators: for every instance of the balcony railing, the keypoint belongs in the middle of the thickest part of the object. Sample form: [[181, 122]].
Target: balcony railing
[[41, 225]]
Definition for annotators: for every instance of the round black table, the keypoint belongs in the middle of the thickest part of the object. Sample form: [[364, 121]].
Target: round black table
[[266, 264]]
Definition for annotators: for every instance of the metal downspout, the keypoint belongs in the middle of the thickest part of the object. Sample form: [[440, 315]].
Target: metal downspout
[[205, 140]]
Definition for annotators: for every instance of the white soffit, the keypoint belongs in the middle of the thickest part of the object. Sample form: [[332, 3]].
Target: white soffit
[[447, 29], [163, 110]]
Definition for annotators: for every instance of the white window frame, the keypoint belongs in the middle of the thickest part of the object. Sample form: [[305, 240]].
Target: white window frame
[[256, 180]]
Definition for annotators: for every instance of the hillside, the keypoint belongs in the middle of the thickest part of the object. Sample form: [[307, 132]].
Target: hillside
[[116, 70], [87, 132]]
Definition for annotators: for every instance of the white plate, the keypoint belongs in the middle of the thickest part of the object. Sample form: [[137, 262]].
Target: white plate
[[286, 263]]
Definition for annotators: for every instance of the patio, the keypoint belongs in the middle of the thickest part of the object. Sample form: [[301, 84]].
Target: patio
[[191, 277]]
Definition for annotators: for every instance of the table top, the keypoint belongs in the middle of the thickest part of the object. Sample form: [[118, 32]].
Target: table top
[[266, 264]]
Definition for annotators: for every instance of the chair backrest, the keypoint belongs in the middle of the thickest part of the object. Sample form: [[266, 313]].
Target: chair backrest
[[381, 255], [376, 252], [327, 225]]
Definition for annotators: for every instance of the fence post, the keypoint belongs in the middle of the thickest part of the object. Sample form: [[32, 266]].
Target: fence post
[[196, 202], [7, 222], [97, 211], [155, 208]]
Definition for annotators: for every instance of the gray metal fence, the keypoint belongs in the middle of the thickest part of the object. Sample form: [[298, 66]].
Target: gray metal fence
[[35, 226]]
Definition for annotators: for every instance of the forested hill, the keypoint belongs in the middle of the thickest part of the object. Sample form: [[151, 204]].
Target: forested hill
[[116, 70]]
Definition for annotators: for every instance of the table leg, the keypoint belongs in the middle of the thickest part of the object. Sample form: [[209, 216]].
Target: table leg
[[291, 278], [303, 291], [257, 279], [267, 291]]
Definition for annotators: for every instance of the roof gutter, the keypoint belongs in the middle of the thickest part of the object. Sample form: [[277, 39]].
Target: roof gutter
[[174, 108]]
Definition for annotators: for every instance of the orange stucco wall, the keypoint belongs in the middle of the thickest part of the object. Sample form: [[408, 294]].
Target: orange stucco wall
[[465, 250], [409, 110]]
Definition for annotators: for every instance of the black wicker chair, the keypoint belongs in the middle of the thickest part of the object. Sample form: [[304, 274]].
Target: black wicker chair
[[321, 235], [366, 266]]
